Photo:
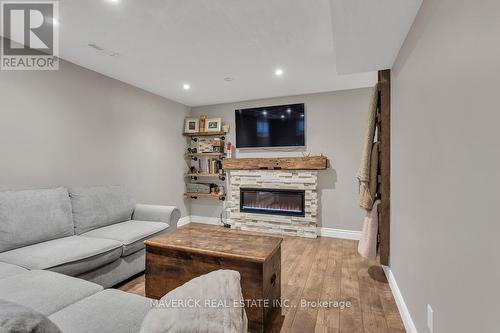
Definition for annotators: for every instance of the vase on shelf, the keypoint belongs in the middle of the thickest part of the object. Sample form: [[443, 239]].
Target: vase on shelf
[[201, 122], [225, 215]]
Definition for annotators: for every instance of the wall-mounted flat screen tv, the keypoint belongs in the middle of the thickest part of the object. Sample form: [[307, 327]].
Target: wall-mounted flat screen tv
[[271, 126]]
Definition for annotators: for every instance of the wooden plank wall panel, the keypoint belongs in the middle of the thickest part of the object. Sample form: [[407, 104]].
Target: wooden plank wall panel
[[384, 78]]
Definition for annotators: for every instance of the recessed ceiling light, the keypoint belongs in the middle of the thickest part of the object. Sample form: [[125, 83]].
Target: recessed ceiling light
[[288, 110], [264, 112], [282, 116], [186, 86], [278, 72]]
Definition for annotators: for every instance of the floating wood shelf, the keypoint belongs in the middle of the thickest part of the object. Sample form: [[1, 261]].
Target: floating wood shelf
[[194, 195], [204, 154], [204, 174], [205, 134], [278, 163]]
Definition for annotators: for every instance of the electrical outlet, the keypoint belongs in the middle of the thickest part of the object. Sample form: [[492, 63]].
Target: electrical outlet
[[430, 319]]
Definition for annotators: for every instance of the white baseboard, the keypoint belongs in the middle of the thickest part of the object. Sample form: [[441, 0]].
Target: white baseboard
[[183, 221], [339, 233], [198, 219], [325, 232], [205, 220], [400, 302]]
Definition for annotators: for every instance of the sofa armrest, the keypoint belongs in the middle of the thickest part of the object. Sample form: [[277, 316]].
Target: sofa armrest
[[157, 213]]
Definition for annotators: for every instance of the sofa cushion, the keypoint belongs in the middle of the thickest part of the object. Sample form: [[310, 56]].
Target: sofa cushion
[[117, 271], [17, 318], [99, 206], [34, 216], [131, 233], [7, 270], [110, 311], [70, 255], [44, 291]]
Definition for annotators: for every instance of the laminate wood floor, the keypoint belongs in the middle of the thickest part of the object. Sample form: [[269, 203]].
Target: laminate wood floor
[[327, 269]]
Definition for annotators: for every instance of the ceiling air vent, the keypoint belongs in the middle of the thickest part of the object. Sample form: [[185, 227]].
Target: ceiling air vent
[[103, 51]]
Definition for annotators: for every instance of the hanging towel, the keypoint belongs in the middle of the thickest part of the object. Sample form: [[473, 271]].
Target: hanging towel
[[367, 246], [363, 174], [369, 190]]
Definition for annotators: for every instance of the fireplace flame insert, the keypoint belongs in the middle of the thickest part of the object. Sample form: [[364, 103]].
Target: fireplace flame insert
[[272, 201]]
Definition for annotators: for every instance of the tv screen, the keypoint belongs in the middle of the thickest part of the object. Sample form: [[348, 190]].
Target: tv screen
[[272, 126]]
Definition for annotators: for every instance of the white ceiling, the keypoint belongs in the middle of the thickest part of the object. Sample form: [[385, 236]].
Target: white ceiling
[[159, 45], [368, 34]]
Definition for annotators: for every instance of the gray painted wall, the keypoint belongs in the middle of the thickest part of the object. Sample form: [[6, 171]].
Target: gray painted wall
[[445, 166], [77, 127], [335, 124]]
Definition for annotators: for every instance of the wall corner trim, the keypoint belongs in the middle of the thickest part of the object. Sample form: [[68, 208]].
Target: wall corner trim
[[400, 302], [183, 221]]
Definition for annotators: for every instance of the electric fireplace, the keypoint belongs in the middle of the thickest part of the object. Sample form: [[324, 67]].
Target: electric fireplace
[[272, 201]]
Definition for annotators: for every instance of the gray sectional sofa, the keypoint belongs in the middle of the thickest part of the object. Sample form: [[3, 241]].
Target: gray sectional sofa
[[73, 305], [94, 233], [59, 249]]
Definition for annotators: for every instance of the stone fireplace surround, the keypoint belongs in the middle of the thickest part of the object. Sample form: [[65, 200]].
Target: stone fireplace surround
[[306, 180]]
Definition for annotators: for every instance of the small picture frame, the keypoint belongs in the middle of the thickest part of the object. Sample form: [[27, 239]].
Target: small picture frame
[[191, 125], [213, 125]]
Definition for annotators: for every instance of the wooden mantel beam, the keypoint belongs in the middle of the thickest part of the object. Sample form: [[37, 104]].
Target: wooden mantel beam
[[276, 163]]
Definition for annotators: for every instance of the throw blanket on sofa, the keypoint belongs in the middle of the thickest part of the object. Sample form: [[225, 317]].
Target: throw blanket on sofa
[[15, 318], [210, 303]]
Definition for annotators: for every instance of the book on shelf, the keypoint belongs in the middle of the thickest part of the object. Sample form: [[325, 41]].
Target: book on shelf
[[210, 165]]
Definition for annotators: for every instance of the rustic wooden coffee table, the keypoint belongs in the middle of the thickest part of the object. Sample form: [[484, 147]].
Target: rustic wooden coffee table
[[197, 249]]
